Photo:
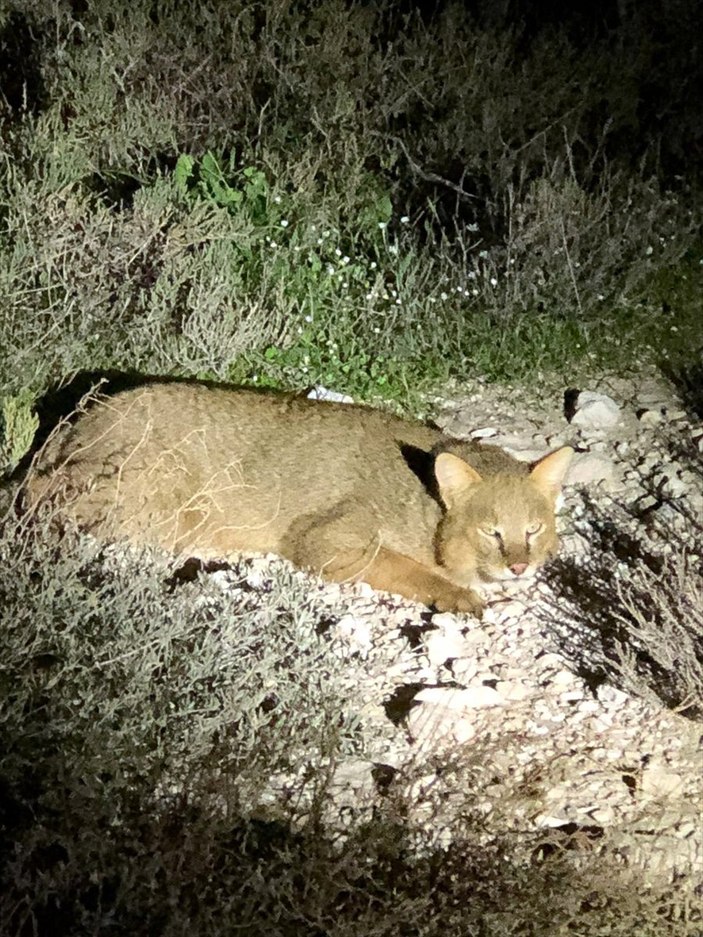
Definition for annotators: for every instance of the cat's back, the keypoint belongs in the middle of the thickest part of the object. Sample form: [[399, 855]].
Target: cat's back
[[167, 414], [186, 431]]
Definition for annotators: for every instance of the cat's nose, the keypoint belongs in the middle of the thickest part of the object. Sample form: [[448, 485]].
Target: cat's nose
[[518, 568]]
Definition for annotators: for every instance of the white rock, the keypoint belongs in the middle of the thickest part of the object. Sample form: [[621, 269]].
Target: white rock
[[595, 411], [353, 775], [474, 697], [519, 447], [483, 432], [651, 461], [588, 468], [548, 821], [490, 616], [449, 625], [355, 632], [422, 785], [442, 647], [603, 722], [509, 610], [475, 639], [465, 669], [564, 678], [537, 728], [571, 696], [322, 393], [513, 691], [527, 454], [550, 660], [601, 814], [426, 675], [365, 590], [650, 417], [675, 487], [429, 724], [510, 441], [463, 731], [611, 696], [657, 782], [684, 830]]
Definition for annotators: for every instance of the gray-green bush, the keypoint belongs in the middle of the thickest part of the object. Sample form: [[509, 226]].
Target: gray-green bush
[[166, 753]]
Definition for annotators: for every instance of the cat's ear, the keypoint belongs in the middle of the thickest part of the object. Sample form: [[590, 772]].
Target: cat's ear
[[454, 477], [549, 473]]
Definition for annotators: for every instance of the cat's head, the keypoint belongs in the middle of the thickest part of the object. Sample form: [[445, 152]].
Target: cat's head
[[500, 527]]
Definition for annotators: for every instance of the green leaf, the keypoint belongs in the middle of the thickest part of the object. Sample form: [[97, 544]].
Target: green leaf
[[183, 173]]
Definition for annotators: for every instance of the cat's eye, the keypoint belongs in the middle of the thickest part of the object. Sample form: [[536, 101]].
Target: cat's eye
[[534, 528], [491, 532]]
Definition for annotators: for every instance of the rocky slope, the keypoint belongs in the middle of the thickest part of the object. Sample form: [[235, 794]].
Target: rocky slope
[[549, 713]]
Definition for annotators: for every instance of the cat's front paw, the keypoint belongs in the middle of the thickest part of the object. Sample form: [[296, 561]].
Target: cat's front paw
[[458, 599]]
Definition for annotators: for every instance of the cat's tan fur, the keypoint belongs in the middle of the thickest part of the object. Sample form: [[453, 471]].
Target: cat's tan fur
[[350, 492]]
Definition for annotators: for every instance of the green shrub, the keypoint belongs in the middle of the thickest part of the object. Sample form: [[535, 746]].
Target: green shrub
[[162, 147], [18, 426]]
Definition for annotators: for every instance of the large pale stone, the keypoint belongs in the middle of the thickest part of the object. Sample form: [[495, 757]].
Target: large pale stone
[[595, 411], [659, 782], [589, 468]]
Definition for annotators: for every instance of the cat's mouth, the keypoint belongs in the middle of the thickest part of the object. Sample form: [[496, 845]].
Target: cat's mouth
[[496, 576]]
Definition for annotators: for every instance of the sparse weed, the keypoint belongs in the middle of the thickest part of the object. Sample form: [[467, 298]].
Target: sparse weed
[[634, 612]]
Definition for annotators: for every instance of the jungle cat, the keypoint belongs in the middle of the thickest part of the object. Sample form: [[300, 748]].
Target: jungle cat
[[347, 491]]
